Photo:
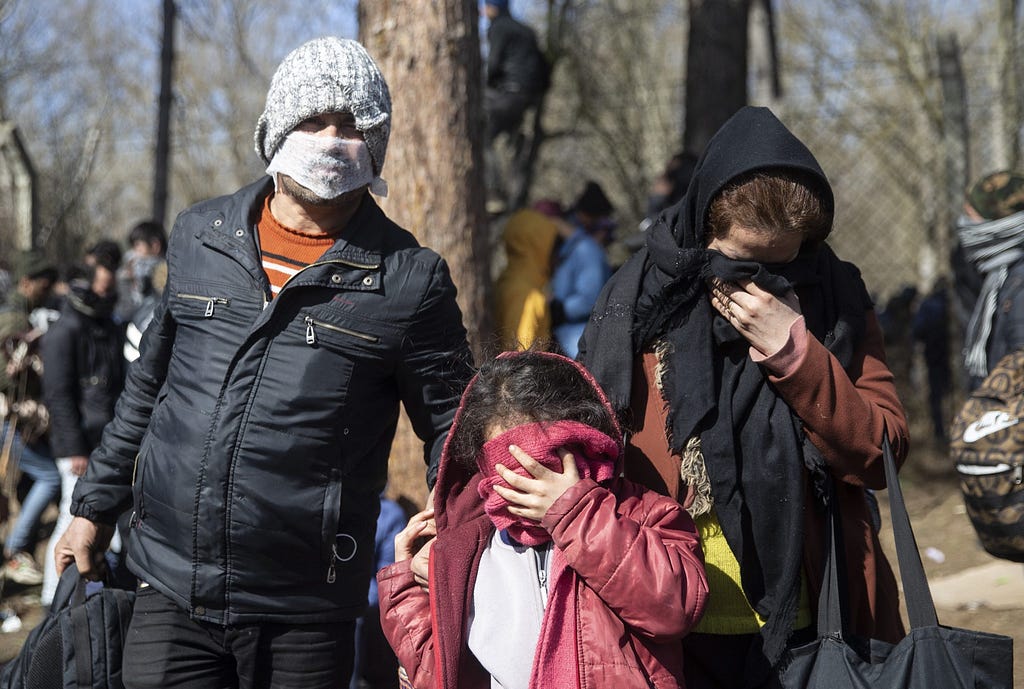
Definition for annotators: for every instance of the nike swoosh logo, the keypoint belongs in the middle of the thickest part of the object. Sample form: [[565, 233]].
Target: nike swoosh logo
[[990, 422]]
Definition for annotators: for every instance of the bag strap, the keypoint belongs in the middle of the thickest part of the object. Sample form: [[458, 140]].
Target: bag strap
[[82, 644], [70, 590], [830, 614], [920, 606]]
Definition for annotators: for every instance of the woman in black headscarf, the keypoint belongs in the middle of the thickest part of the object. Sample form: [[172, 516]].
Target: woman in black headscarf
[[747, 361]]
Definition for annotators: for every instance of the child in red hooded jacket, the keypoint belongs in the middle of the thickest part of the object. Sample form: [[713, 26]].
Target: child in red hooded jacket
[[546, 568]]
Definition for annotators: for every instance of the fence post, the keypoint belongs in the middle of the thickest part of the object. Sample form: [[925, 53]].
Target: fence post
[[162, 155], [20, 182], [956, 148], [1005, 119], [955, 142]]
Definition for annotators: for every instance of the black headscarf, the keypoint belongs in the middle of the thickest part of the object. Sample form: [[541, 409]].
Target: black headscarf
[[754, 446]]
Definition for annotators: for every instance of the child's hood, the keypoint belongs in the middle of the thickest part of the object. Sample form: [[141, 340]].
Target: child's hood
[[455, 494]]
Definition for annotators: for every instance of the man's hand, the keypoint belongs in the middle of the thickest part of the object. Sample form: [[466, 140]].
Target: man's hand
[[407, 544], [79, 463], [84, 543], [533, 497]]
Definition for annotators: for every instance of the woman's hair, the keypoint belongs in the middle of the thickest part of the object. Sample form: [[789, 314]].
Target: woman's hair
[[775, 201], [524, 388]]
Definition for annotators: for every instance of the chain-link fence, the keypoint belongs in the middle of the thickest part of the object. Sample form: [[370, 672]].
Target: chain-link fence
[[898, 170]]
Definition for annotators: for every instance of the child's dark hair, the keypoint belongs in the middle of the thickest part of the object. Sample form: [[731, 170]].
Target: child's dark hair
[[523, 388]]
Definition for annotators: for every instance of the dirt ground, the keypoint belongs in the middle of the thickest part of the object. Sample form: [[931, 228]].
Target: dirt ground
[[939, 522]]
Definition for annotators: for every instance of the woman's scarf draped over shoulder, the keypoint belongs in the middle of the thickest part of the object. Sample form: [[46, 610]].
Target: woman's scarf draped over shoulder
[[754, 447]]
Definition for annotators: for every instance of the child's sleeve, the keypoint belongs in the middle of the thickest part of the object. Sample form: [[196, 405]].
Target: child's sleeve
[[639, 552], [405, 619]]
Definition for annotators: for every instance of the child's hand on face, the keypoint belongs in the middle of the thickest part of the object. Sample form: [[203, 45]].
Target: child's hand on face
[[408, 544], [532, 497]]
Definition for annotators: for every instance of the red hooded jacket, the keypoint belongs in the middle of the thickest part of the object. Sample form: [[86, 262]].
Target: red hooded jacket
[[641, 584]]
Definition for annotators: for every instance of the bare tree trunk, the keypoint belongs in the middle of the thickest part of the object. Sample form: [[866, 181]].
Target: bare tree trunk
[[766, 81], [955, 137], [716, 67], [163, 129], [430, 55], [1006, 108], [1006, 54], [19, 213], [957, 151]]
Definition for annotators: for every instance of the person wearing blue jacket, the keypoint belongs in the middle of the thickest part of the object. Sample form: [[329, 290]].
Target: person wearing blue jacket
[[581, 269]]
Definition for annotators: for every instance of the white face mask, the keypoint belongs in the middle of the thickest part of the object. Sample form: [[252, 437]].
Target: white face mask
[[326, 165]]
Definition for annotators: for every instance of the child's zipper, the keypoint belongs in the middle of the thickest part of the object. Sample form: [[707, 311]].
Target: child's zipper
[[540, 556]]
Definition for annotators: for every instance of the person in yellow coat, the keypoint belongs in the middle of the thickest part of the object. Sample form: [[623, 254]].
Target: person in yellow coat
[[520, 294]]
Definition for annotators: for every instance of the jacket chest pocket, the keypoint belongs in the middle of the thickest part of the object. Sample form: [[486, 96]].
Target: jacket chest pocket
[[356, 338], [320, 331], [212, 309], [204, 304], [211, 323], [208, 307]]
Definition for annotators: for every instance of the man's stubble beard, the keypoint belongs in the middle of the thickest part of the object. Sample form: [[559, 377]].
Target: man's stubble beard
[[306, 197]]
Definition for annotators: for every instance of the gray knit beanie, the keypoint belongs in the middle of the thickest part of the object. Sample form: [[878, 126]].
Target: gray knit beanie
[[327, 75]]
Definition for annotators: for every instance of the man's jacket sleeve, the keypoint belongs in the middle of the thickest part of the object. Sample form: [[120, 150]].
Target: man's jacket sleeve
[[435, 367], [104, 491]]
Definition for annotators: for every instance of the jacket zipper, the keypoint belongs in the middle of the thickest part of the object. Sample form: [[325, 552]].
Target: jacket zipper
[[339, 261], [540, 559], [332, 572], [136, 517], [210, 302], [311, 331]]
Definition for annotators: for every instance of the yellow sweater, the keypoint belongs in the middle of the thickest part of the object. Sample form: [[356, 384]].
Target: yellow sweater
[[727, 610]]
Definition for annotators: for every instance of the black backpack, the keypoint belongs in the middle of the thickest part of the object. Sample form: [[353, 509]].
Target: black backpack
[[79, 644], [987, 446]]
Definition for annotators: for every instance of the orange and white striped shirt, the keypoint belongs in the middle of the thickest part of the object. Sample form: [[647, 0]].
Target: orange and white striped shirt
[[286, 251]]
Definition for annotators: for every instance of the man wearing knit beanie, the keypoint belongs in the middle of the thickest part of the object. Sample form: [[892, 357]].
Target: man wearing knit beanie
[[252, 439]]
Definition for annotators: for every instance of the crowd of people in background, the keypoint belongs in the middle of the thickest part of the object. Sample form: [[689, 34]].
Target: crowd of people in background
[[636, 491], [64, 356]]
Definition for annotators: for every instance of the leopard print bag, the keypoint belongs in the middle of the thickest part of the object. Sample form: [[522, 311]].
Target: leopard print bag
[[987, 448]]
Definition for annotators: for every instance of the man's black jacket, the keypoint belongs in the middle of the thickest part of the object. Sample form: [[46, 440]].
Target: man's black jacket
[[254, 436], [83, 364]]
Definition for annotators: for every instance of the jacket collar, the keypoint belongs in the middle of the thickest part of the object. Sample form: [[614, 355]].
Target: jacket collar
[[361, 240], [232, 227], [233, 230]]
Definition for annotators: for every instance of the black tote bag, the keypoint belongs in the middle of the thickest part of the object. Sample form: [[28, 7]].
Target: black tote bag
[[931, 656]]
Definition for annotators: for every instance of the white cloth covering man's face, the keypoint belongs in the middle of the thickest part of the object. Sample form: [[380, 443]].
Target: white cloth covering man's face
[[326, 155]]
